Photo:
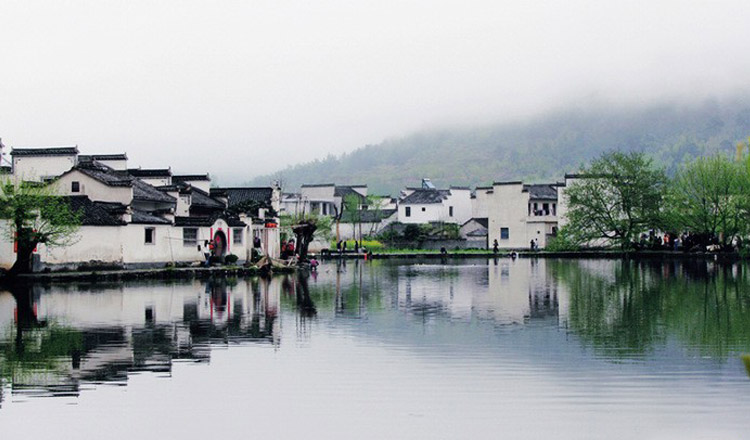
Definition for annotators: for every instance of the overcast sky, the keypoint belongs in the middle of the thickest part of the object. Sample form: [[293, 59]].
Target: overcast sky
[[241, 88]]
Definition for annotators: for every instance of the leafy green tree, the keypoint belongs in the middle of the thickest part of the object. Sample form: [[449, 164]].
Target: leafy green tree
[[35, 215], [710, 195], [618, 196]]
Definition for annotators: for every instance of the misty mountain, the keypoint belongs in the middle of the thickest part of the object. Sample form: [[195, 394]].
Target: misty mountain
[[537, 150]]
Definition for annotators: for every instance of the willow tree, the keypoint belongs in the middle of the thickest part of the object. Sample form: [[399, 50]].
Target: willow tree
[[618, 196], [711, 195], [34, 214]]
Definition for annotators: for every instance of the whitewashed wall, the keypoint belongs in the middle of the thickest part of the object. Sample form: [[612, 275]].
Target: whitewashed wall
[[38, 167], [95, 190], [460, 200], [7, 257]]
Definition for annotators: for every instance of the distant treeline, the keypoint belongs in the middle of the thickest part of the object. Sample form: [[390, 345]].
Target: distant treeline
[[539, 150]]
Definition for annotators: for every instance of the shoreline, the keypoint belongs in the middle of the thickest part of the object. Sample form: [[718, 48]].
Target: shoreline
[[171, 273], [166, 273]]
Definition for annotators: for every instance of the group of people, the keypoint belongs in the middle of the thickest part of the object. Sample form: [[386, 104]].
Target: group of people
[[687, 241], [534, 244], [287, 249]]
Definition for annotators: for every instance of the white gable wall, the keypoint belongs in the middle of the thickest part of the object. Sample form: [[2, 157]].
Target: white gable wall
[[460, 200], [94, 189], [36, 168]]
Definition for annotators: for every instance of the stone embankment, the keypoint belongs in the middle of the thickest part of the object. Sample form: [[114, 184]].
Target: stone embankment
[[168, 273]]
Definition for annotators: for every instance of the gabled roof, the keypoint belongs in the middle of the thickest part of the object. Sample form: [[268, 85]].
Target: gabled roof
[[541, 192], [104, 174], [426, 197], [482, 221], [45, 151], [239, 195], [90, 157], [191, 178], [150, 172], [201, 199], [141, 190], [145, 192], [344, 191], [96, 213], [141, 217]]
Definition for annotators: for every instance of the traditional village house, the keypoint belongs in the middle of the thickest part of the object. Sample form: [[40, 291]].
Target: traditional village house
[[128, 222], [261, 205], [430, 205], [519, 214]]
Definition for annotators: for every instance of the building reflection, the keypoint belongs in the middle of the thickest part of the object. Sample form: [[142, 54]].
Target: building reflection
[[55, 339]]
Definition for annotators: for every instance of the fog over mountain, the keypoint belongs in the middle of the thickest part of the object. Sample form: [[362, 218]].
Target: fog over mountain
[[245, 88], [539, 149]]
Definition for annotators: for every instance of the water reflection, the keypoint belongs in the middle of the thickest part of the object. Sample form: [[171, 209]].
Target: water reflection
[[54, 340]]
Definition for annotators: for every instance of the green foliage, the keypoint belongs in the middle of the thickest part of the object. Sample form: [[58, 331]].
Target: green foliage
[[35, 214], [35, 207], [710, 195], [619, 197], [231, 259], [251, 208], [565, 240]]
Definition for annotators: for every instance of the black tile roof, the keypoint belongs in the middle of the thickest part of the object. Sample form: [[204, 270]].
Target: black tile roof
[[141, 190], [154, 172], [344, 191], [243, 194], [201, 199], [142, 217], [46, 151], [541, 192], [145, 192], [90, 157], [94, 213], [191, 177], [482, 221], [426, 197]]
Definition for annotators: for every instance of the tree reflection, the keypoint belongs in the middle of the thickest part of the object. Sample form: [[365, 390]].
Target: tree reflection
[[637, 305]]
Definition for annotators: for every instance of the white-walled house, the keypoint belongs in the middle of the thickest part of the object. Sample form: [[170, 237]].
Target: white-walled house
[[127, 222], [520, 213], [428, 204]]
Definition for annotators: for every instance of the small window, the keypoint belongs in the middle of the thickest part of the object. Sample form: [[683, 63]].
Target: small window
[[237, 236], [150, 235], [408, 211], [450, 211], [75, 187], [190, 236], [504, 233], [424, 209]]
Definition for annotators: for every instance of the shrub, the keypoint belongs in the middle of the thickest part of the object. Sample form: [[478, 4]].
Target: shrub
[[231, 259]]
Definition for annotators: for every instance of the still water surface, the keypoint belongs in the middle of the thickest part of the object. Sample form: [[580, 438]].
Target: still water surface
[[386, 349]]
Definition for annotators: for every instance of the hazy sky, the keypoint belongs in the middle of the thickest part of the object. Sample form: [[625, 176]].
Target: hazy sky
[[241, 88]]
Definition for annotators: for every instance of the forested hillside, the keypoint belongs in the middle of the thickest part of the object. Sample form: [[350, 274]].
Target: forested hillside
[[542, 149]]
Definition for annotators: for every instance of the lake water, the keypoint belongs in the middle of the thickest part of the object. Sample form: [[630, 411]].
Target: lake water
[[563, 349]]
